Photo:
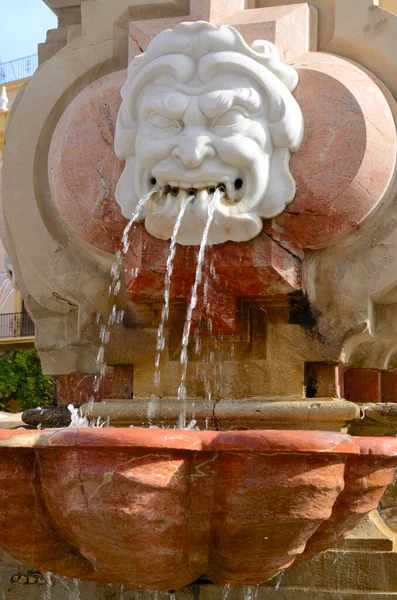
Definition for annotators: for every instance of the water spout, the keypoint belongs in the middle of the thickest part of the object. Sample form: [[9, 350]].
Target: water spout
[[167, 288], [116, 316], [182, 392]]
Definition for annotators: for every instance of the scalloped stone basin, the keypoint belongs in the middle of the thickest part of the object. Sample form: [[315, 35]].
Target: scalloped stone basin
[[156, 509]]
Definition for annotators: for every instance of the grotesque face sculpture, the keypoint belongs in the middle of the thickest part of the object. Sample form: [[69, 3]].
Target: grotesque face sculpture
[[201, 110]]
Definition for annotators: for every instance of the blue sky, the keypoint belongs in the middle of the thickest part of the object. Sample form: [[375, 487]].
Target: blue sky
[[23, 24]]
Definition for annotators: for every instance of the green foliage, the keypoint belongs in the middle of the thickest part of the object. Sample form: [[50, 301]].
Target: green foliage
[[21, 379]]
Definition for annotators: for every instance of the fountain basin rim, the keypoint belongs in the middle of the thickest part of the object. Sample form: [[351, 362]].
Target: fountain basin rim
[[289, 413], [266, 441]]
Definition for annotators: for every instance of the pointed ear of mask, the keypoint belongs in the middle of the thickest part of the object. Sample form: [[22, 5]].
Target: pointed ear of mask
[[268, 55], [282, 187]]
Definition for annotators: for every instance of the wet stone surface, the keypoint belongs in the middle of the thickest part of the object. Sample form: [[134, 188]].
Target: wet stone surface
[[47, 418]]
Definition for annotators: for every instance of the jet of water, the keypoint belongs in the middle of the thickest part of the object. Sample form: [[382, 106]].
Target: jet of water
[[167, 288], [48, 590], [279, 580], [136, 214], [192, 305], [115, 315], [251, 592], [226, 591], [76, 585]]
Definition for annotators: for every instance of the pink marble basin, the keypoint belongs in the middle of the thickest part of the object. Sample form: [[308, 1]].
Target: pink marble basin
[[156, 509]]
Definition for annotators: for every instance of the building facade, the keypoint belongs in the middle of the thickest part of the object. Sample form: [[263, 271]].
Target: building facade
[[16, 326]]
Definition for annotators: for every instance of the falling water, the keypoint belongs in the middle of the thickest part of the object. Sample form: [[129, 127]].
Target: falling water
[[115, 316], [77, 420], [167, 288], [251, 592], [76, 584], [193, 302], [279, 580], [226, 591], [48, 590], [137, 213]]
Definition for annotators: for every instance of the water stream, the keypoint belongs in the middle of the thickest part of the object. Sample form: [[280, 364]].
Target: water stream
[[251, 592], [182, 391], [76, 584], [167, 288], [48, 588], [279, 580], [116, 316]]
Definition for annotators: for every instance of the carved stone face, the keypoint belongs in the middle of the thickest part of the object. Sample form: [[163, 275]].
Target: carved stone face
[[196, 128]]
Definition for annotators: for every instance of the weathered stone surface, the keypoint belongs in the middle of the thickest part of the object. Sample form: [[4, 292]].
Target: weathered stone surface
[[331, 202], [10, 421], [345, 165], [365, 574], [148, 508], [47, 418], [363, 384], [370, 385], [103, 41], [389, 386], [388, 506], [365, 477], [78, 389], [337, 188], [83, 168], [260, 269], [322, 380], [376, 420], [41, 546], [276, 24], [269, 413], [338, 287], [123, 381]]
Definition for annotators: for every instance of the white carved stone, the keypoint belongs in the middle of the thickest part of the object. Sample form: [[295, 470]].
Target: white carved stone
[[201, 108], [3, 99]]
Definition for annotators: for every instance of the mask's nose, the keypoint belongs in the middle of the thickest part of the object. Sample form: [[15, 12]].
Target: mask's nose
[[192, 151]]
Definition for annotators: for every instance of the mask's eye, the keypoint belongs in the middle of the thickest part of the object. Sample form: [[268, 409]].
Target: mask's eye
[[231, 117], [162, 122]]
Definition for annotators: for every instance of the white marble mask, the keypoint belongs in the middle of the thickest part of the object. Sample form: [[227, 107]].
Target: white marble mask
[[202, 110]]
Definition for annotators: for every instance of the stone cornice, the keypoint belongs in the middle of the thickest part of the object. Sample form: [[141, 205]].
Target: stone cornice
[[56, 5]]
